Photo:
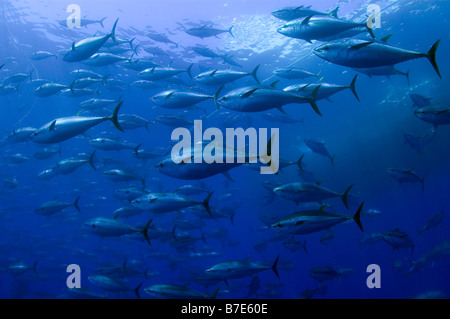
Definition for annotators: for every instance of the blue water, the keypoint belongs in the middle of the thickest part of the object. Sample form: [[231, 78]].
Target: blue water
[[366, 137]]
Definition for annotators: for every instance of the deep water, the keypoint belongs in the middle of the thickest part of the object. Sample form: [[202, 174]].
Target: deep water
[[366, 138]]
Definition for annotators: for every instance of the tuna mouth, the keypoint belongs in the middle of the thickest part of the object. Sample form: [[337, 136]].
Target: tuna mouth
[[280, 30]]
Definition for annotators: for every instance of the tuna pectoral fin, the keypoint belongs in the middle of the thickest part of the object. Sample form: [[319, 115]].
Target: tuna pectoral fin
[[274, 267], [344, 196], [113, 118], [431, 55], [361, 45], [75, 204], [205, 203], [353, 88], [248, 93], [357, 217]]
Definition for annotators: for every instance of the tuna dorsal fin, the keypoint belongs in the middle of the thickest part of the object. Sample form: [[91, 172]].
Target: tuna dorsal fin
[[386, 38], [361, 45], [248, 93], [274, 84], [213, 72], [306, 20], [52, 126], [280, 108], [322, 209], [319, 182], [227, 175], [73, 46]]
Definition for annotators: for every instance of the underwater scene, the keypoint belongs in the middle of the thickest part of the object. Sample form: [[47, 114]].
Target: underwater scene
[[235, 149]]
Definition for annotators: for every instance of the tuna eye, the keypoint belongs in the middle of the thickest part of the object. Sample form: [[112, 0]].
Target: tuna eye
[[224, 98], [93, 225], [326, 47], [279, 225]]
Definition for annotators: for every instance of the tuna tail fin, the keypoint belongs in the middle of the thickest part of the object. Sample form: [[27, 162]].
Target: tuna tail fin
[[334, 13], [144, 231], [274, 267], [136, 290], [203, 238], [232, 218], [357, 217], [143, 182], [135, 49], [332, 159], [254, 73], [113, 31], [101, 22], [105, 79], [131, 43], [71, 86], [420, 231], [75, 204], [344, 196], [214, 294], [34, 268], [304, 247], [205, 203], [299, 163], [229, 31], [312, 100], [113, 118], [431, 56], [353, 88], [136, 150], [216, 96], [188, 70], [407, 78], [369, 29], [91, 160]]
